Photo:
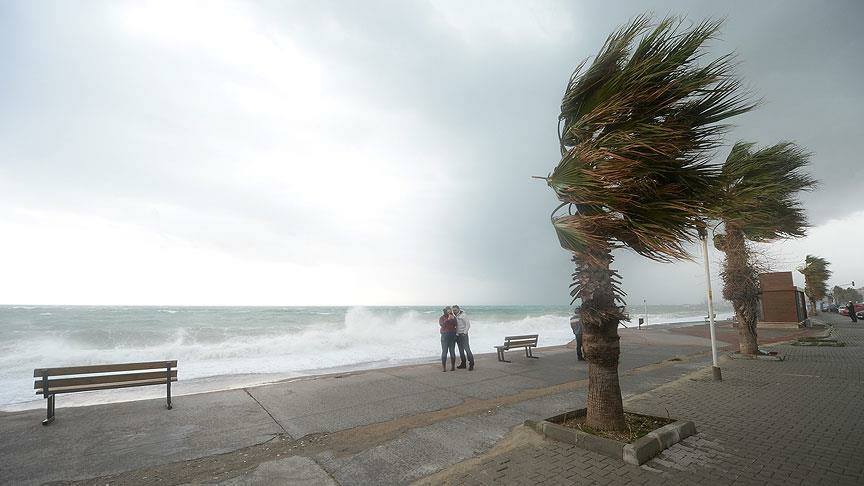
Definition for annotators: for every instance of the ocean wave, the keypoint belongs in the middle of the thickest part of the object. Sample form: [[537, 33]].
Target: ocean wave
[[271, 343]]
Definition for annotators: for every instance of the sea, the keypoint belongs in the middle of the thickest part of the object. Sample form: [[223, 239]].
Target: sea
[[232, 347]]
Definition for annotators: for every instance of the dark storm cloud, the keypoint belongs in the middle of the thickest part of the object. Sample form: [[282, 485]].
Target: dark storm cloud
[[468, 96]]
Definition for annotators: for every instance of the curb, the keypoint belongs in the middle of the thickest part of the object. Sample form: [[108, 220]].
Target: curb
[[636, 453], [761, 357]]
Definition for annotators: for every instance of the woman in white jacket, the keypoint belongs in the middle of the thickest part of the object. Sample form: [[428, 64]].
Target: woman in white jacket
[[462, 327]]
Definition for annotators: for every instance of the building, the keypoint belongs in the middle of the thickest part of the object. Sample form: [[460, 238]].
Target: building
[[781, 304]]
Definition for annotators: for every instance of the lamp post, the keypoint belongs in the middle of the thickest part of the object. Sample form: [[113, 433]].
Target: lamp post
[[715, 369]]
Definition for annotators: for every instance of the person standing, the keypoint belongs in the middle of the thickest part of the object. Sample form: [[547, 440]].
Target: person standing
[[851, 308], [447, 323], [462, 327], [576, 325]]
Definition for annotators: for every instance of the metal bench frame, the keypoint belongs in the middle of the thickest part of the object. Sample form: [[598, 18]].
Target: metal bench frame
[[102, 377], [527, 341]]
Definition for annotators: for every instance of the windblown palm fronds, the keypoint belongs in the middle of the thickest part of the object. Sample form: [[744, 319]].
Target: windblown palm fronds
[[816, 275], [636, 130], [757, 201], [759, 189]]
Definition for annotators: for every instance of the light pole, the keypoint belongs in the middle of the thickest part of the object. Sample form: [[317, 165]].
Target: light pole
[[715, 369]]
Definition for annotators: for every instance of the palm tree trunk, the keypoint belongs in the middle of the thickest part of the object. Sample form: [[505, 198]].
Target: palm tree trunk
[[741, 286], [812, 307], [595, 284]]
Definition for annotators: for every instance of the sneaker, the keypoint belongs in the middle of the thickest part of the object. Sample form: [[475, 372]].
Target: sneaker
[[461, 366], [471, 367]]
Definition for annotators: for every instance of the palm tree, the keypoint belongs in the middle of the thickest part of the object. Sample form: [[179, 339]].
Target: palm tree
[[635, 130], [756, 202], [816, 275]]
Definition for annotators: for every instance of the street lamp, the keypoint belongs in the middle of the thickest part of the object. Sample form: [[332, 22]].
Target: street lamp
[[715, 369]]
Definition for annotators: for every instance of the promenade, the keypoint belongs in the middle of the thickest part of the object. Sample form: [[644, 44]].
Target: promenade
[[414, 423], [775, 423]]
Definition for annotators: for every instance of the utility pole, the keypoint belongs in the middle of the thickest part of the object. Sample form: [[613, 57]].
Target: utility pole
[[715, 369]]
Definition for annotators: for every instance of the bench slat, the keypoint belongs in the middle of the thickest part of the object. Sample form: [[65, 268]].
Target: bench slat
[[106, 386], [527, 336], [99, 379], [524, 342], [80, 370]]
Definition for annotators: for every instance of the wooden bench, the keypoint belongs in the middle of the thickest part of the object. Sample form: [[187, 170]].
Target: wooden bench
[[102, 377], [512, 342]]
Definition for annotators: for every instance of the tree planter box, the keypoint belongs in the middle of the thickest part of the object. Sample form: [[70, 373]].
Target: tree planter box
[[637, 452], [762, 357]]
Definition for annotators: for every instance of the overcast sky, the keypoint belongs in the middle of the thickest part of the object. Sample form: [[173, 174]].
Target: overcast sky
[[312, 153]]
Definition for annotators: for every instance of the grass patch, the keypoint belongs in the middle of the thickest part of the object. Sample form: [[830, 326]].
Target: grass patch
[[637, 426]]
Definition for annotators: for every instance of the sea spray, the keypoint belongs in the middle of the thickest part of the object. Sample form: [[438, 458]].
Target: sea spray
[[249, 343]]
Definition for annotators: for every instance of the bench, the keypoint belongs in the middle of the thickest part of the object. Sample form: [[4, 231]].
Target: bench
[[102, 377], [513, 342]]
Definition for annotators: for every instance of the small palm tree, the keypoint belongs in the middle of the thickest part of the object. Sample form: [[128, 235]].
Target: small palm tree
[[635, 130], [756, 202], [816, 275]]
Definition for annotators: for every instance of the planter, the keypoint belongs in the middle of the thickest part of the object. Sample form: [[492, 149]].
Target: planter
[[637, 453], [772, 356]]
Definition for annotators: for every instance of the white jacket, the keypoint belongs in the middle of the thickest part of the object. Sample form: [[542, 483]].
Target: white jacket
[[462, 323]]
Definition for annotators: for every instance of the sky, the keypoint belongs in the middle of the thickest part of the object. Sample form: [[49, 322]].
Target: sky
[[361, 153]]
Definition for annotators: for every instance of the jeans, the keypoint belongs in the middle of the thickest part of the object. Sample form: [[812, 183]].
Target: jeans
[[448, 343], [464, 347], [579, 346]]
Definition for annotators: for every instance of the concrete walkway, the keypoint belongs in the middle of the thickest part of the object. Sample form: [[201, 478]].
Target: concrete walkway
[[388, 426], [793, 422]]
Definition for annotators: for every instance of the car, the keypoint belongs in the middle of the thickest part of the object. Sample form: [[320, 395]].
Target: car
[[859, 314], [845, 312]]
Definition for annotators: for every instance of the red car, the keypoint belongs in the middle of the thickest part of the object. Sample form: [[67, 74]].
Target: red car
[[845, 312]]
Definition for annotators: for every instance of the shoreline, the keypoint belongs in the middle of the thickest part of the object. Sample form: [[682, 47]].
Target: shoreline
[[226, 382]]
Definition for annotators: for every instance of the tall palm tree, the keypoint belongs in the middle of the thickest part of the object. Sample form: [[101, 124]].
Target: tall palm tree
[[756, 202], [635, 130], [816, 275]]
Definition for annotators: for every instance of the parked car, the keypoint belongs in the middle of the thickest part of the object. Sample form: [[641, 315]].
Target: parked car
[[858, 308]]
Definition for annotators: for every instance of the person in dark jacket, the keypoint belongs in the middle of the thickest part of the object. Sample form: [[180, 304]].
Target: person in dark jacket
[[851, 308], [447, 323], [576, 325]]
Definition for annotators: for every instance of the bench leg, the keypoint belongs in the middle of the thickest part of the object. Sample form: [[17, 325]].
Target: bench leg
[[530, 353], [50, 414], [168, 386]]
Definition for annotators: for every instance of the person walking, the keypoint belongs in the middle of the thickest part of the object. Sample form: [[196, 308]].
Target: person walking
[[462, 327], [447, 323], [576, 326], [851, 308]]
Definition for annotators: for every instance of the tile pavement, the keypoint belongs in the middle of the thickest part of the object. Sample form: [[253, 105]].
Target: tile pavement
[[776, 423]]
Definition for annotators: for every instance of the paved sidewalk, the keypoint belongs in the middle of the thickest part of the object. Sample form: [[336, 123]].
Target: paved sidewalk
[[793, 422], [385, 426], [391, 425]]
